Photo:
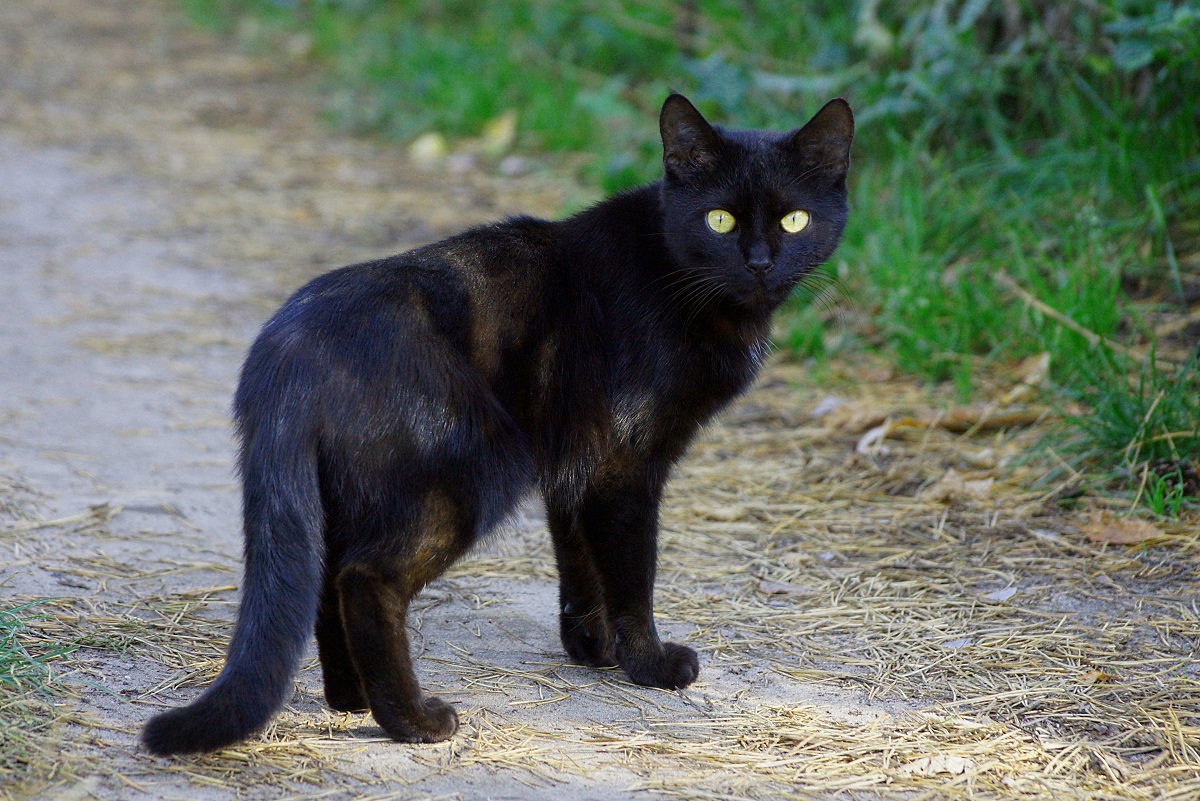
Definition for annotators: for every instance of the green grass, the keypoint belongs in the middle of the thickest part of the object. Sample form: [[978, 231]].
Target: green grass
[[1055, 144], [27, 686], [1141, 430]]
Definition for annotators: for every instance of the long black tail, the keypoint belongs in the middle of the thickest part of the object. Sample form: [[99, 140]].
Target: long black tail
[[280, 596]]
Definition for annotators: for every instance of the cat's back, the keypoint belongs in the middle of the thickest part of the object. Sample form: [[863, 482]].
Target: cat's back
[[468, 297]]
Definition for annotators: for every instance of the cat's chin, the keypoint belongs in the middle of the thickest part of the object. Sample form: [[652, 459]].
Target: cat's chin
[[758, 301]]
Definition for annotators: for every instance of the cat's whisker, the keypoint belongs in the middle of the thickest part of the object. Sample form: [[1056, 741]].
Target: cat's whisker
[[821, 167]]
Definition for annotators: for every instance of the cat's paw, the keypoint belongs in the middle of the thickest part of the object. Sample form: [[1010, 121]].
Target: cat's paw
[[588, 641], [345, 697], [674, 667], [432, 721]]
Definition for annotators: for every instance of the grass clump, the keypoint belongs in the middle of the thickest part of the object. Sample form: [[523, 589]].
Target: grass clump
[[27, 689], [1142, 430]]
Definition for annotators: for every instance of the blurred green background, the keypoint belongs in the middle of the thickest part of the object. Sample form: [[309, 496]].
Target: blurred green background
[[1026, 174]]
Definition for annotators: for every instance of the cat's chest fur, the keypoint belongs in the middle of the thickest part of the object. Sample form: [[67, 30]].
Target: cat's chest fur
[[582, 333]]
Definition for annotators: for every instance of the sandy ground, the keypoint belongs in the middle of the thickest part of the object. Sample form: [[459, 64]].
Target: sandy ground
[[161, 192]]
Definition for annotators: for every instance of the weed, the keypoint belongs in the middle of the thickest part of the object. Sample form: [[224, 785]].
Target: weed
[[1164, 495], [1143, 430], [27, 686]]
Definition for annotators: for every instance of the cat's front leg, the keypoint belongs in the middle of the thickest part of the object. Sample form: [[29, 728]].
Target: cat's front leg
[[619, 520], [343, 688], [587, 635]]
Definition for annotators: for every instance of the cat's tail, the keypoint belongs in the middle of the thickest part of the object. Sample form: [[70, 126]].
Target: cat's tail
[[280, 595]]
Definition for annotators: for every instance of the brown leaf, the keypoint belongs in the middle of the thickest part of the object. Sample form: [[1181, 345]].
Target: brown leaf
[[957, 486], [1031, 375], [1103, 527], [776, 587], [1098, 677], [980, 417], [940, 763], [855, 417], [724, 514]]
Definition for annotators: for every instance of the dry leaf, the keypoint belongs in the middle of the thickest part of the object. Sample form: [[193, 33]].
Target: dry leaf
[[776, 587], [1034, 370], [828, 404], [1103, 527], [724, 514], [499, 133], [985, 458], [855, 417], [932, 766], [1032, 374], [428, 150], [956, 486], [1000, 596], [986, 417], [872, 441], [1098, 677]]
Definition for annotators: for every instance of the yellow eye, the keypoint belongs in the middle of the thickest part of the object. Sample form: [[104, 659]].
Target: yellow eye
[[720, 221], [795, 222]]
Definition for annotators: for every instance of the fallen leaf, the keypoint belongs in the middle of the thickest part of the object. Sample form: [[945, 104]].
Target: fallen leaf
[[499, 133], [1032, 374], [986, 417], [1103, 527], [956, 486], [932, 766], [428, 150], [872, 441], [776, 587], [985, 458], [1034, 370], [724, 514], [1098, 677], [830, 403], [855, 417], [1000, 596]]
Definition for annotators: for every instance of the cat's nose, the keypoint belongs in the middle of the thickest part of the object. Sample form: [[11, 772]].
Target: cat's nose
[[758, 260], [759, 264]]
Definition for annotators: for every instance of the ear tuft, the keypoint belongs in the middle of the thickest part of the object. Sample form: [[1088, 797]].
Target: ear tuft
[[690, 144], [824, 141]]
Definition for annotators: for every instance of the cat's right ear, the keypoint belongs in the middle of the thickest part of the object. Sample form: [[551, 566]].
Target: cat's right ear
[[824, 141], [690, 145]]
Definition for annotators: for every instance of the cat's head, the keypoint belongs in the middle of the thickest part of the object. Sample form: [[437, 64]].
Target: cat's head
[[753, 212]]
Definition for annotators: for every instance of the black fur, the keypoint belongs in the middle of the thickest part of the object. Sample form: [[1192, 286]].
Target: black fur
[[392, 413]]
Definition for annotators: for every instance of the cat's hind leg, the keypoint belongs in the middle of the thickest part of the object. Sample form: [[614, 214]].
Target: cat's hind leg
[[376, 588]]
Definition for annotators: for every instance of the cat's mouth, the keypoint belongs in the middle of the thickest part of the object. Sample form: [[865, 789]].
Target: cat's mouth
[[758, 294]]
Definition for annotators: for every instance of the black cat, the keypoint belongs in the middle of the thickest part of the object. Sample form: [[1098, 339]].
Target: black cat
[[392, 413]]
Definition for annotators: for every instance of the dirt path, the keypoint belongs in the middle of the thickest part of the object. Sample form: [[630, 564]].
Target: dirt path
[[160, 194]]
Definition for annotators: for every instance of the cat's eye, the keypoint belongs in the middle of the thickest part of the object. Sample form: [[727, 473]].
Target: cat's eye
[[720, 221], [795, 222]]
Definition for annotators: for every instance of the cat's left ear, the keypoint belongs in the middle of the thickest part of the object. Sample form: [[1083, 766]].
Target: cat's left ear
[[824, 141], [690, 144]]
